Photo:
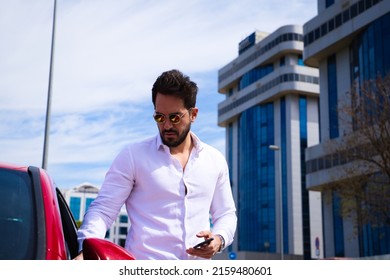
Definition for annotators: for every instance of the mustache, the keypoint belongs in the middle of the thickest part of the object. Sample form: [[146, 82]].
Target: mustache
[[169, 131]]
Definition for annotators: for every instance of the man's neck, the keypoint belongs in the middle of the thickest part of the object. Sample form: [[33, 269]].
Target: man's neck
[[184, 147]]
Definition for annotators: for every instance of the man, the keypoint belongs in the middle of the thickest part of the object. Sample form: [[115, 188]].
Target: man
[[171, 185]]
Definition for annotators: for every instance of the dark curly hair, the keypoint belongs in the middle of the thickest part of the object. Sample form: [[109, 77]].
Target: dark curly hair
[[177, 84]]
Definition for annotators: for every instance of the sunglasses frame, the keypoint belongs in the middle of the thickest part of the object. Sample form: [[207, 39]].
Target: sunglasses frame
[[173, 115]]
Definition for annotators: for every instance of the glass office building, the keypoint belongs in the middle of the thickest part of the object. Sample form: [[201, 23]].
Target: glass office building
[[348, 41], [271, 99], [79, 199]]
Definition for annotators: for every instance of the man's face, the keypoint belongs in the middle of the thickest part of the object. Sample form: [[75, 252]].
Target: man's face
[[172, 134]]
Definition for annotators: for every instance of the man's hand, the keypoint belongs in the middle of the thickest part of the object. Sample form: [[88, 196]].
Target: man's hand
[[206, 251], [79, 257]]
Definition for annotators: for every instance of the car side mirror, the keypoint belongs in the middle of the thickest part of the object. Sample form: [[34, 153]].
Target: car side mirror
[[101, 249]]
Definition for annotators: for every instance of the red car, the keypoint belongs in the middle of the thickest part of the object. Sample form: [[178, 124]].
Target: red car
[[36, 222]]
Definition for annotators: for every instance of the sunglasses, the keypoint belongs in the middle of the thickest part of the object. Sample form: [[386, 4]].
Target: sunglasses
[[174, 118]]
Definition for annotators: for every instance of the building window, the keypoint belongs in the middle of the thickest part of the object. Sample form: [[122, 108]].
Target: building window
[[314, 165], [122, 242], [354, 11], [300, 61], [361, 6], [374, 239], [331, 24], [123, 219], [346, 16], [338, 228], [338, 20], [254, 75], [88, 202], [75, 207], [328, 3], [282, 61], [317, 33], [332, 97], [123, 230]]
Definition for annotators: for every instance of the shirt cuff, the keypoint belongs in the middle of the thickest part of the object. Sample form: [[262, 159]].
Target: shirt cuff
[[222, 246]]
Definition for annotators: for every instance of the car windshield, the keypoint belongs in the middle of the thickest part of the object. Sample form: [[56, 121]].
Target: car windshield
[[17, 216]]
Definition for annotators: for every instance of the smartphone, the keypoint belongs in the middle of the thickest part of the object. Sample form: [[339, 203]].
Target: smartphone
[[206, 242]]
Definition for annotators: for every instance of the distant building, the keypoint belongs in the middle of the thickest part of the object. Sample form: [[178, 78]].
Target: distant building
[[271, 99], [79, 199], [349, 41]]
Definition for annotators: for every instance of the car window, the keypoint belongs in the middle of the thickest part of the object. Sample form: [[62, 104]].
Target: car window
[[17, 216]]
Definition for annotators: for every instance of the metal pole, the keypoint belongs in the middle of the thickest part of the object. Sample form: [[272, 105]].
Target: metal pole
[[48, 105], [276, 148]]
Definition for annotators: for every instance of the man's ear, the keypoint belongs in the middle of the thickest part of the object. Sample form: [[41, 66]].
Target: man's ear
[[193, 114]]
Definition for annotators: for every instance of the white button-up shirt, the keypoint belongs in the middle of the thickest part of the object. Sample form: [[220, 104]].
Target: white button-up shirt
[[167, 206]]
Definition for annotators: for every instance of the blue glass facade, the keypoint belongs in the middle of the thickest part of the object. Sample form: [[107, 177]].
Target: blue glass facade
[[305, 194], [256, 190], [230, 152], [75, 206], [369, 55], [338, 227], [247, 43], [300, 61], [254, 75], [369, 51], [230, 162], [374, 240], [88, 202]]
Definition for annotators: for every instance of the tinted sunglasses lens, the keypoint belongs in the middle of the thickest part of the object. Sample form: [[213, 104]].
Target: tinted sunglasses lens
[[159, 118], [174, 118]]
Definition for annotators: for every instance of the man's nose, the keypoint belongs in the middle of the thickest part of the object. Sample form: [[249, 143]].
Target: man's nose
[[167, 124]]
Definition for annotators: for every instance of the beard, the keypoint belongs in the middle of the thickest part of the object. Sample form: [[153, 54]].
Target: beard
[[169, 141]]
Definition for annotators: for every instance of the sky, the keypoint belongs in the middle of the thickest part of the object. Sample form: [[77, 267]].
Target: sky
[[107, 55]]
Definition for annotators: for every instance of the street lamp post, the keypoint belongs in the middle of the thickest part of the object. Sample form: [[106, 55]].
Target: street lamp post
[[48, 105], [276, 148]]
